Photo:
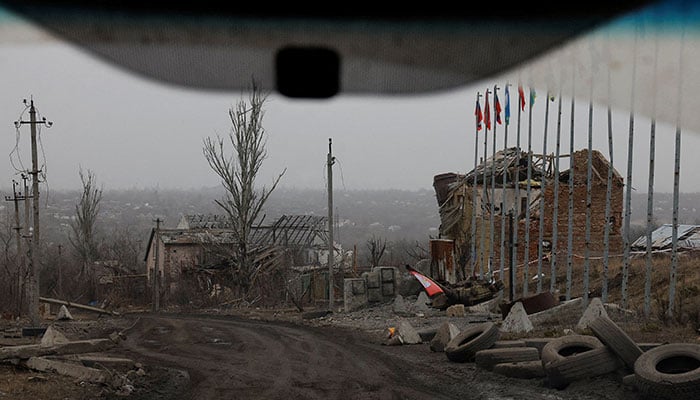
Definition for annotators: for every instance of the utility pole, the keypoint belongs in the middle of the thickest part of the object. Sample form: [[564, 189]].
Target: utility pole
[[16, 197], [330, 162], [33, 284], [156, 268], [60, 273]]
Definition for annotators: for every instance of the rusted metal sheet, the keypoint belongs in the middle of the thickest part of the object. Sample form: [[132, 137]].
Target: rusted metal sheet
[[442, 264]]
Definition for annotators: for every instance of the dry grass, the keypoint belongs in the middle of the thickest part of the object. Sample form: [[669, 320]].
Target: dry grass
[[659, 325]]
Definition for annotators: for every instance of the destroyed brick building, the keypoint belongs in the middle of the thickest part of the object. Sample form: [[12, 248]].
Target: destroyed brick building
[[459, 194]]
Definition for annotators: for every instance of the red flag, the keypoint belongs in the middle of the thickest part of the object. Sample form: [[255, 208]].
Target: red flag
[[479, 116], [431, 288], [522, 97], [498, 108], [487, 112]]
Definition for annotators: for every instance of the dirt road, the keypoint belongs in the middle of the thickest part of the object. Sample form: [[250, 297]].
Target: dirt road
[[233, 358]]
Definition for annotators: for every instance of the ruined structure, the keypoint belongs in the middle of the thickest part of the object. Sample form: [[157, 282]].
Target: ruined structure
[[462, 197], [201, 245]]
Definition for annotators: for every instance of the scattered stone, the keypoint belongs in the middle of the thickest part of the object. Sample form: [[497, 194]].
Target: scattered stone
[[427, 334], [74, 370], [64, 314], [399, 306], [421, 304], [517, 320], [443, 335], [393, 341], [52, 337], [594, 310], [489, 306], [408, 333], [456, 310], [558, 315]]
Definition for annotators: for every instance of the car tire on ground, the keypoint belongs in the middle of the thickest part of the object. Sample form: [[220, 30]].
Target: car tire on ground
[[670, 371], [616, 339], [488, 358], [463, 347], [565, 346], [588, 364], [521, 369]]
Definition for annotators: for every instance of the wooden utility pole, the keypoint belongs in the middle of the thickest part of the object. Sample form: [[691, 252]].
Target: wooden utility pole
[[330, 162], [156, 267], [33, 281], [16, 197]]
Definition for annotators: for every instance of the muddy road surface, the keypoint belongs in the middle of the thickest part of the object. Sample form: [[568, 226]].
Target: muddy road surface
[[224, 357]]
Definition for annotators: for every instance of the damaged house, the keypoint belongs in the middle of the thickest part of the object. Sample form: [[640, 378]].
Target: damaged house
[[459, 196], [198, 248]]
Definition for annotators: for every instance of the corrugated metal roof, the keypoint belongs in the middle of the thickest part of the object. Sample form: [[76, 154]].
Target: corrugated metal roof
[[661, 237], [293, 230], [189, 236], [204, 221]]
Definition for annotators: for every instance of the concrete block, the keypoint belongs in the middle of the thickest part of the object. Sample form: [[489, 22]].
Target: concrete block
[[359, 286], [354, 299], [489, 306], [387, 274], [374, 295], [372, 279], [517, 320], [388, 289], [79, 372], [408, 333], [400, 306], [64, 314], [560, 312], [446, 332], [594, 310], [421, 304], [94, 361], [52, 337]]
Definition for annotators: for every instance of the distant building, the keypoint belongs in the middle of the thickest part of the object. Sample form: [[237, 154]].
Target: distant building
[[202, 243]]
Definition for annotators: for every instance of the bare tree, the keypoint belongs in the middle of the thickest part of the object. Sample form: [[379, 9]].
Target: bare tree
[[84, 232], [242, 201], [376, 248]]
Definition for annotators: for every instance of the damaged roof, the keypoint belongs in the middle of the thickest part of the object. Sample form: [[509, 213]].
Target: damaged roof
[[504, 161], [204, 221], [293, 230], [661, 238]]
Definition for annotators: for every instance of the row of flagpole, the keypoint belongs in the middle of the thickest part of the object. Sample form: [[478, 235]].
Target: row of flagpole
[[485, 261]]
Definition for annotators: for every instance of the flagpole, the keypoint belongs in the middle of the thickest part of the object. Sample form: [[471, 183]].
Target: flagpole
[[526, 261], [543, 182], [608, 196], [570, 214], [555, 216], [650, 192], [492, 209], [628, 181], [504, 179], [485, 189], [516, 180], [589, 187], [474, 189]]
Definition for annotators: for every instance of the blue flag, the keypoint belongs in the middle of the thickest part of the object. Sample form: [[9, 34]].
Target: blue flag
[[507, 112]]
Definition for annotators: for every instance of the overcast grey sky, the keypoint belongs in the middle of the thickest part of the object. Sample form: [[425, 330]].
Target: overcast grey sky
[[137, 133]]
